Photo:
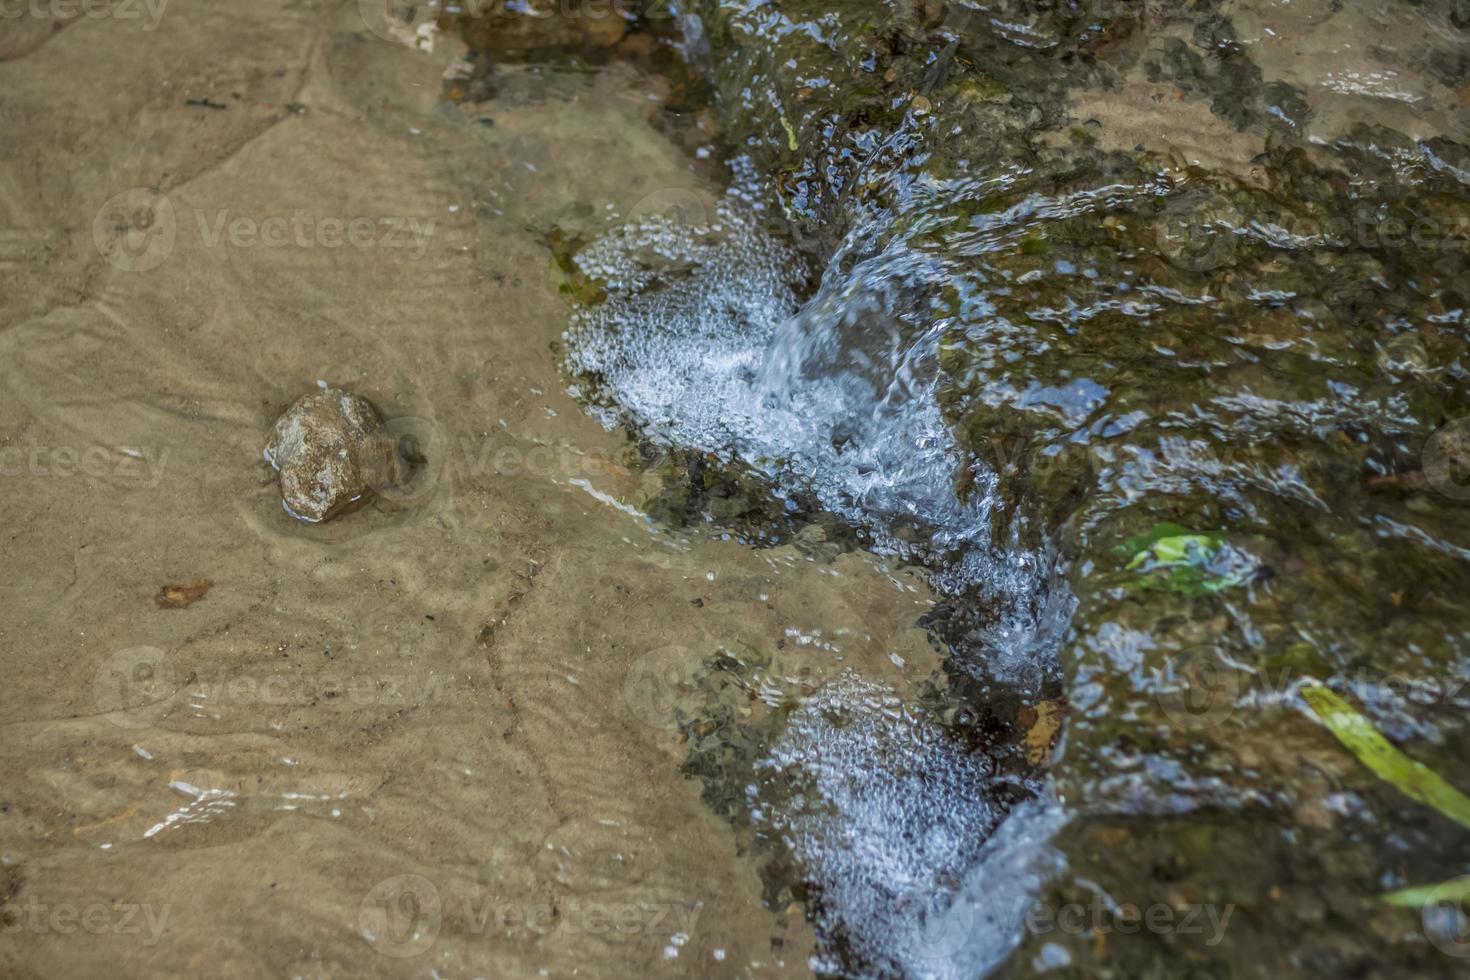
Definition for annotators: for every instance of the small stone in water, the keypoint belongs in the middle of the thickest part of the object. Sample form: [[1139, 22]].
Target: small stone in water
[[331, 448]]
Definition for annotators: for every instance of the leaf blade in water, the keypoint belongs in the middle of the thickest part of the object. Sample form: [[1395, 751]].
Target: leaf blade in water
[[1414, 779], [1456, 890]]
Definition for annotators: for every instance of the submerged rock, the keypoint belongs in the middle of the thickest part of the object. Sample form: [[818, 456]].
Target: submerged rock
[[331, 448]]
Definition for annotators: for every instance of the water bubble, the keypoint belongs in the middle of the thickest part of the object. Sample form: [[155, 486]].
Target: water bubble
[[886, 815]]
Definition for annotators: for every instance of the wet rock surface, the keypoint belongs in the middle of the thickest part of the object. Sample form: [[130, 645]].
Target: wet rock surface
[[331, 448]]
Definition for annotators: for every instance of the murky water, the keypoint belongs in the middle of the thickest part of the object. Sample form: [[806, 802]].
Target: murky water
[[891, 472]]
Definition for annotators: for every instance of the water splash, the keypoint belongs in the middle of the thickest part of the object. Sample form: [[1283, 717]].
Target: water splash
[[704, 342]]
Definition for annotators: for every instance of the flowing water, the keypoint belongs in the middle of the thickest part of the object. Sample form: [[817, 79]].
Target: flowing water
[[1128, 328], [900, 476]]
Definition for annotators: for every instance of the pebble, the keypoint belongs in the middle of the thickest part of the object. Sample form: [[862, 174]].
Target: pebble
[[331, 448]]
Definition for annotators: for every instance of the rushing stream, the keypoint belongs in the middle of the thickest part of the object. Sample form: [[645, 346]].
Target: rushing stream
[[1149, 343], [705, 342], [854, 488]]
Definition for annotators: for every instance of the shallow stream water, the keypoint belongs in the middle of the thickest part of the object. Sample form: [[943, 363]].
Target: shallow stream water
[[895, 480]]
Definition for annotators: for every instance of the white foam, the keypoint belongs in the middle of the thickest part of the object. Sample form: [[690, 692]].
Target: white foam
[[888, 818], [703, 343]]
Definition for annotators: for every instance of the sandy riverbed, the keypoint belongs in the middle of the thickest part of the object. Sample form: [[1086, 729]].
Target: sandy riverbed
[[468, 686]]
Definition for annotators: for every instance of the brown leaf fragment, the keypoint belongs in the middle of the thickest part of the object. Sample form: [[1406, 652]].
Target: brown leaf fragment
[[1043, 731], [182, 596]]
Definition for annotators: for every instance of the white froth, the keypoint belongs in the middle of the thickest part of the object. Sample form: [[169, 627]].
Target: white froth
[[703, 343], [891, 817]]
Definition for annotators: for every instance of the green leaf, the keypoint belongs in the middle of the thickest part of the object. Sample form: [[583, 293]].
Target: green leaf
[[791, 140], [1414, 779], [1196, 563], [1158, 532], [1180, 549], [1456, 890]]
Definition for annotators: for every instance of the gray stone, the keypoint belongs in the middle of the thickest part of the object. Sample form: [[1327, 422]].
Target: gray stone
[[331, 448]]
